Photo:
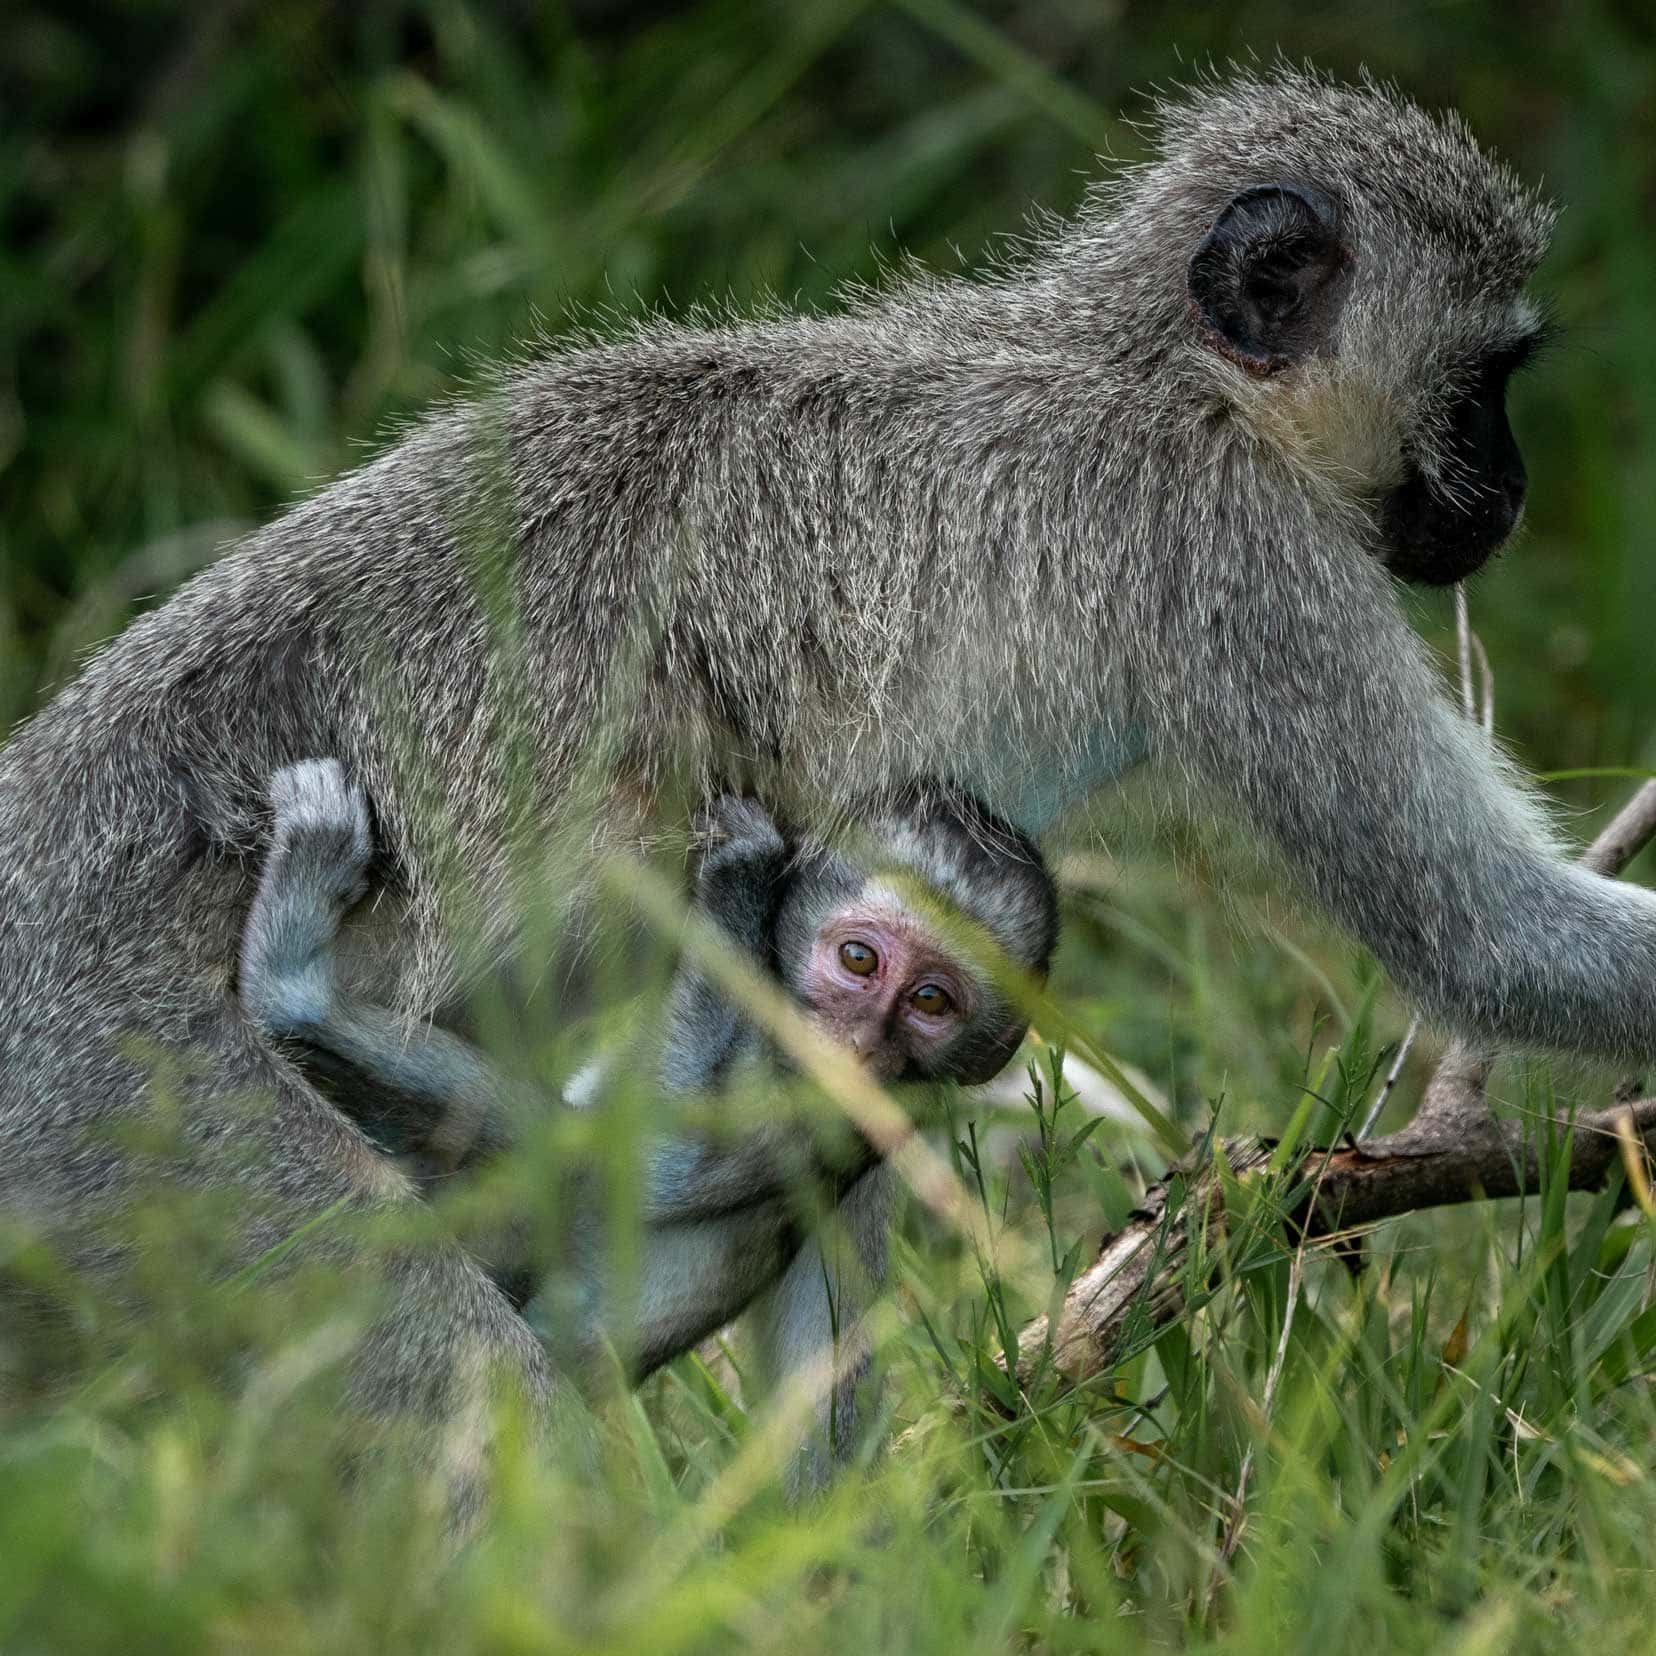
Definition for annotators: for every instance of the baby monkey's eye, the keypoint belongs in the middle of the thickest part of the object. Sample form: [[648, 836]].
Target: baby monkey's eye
[[858, 957], [930, 999]]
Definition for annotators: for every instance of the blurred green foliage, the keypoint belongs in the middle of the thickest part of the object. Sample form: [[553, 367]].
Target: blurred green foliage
[[241, 243]]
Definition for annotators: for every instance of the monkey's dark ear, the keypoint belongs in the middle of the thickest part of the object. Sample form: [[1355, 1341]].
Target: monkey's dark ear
[[1268, 276]]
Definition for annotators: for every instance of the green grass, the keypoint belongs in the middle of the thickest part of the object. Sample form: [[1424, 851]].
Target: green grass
[[236, 252], [1455, 1455]]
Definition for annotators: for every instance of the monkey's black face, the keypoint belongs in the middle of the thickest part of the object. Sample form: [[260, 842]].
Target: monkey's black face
[[1269, 281], [1437, 531]]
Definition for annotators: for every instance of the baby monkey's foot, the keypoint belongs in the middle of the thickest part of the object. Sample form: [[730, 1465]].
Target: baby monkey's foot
[[321, 833], [317, 869]]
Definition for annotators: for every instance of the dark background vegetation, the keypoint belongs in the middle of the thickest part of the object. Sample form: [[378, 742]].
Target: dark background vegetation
[[242, 241]]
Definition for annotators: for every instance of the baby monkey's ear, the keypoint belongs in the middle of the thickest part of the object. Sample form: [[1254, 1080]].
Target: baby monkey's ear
[[1270, 275]]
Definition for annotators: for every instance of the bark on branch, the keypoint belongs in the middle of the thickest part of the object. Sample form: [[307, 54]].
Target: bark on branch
[[1139, 1277], [1628, 833], [1453, 1151]]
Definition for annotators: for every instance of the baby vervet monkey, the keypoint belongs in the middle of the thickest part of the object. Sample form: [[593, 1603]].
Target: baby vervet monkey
[[874, 945]]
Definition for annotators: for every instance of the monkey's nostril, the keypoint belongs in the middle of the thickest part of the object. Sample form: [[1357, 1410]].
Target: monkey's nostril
[[863, 1041]]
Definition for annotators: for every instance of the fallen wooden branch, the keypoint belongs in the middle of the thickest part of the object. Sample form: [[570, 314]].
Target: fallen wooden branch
[[1628, 833], [1455, 1150], [1140, 1276]]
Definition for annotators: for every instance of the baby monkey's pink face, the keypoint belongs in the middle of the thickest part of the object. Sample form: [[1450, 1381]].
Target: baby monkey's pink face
[[881, 984]]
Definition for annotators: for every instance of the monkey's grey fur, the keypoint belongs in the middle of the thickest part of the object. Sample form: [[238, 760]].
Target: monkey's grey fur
[[721, 1215], [1021, 531]]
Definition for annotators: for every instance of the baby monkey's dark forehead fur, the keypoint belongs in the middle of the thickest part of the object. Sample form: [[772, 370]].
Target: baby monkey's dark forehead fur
[[988, 869]]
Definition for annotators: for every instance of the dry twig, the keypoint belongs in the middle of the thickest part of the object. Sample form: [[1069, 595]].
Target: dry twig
[[1455, 1150], [1138, 1280]]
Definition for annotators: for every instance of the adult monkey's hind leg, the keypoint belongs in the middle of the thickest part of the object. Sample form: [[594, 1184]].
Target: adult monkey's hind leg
[[441, 1347], [434, 1358]]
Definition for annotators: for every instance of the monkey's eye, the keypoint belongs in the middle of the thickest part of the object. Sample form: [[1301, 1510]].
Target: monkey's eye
[[928, 998], [858, 958]]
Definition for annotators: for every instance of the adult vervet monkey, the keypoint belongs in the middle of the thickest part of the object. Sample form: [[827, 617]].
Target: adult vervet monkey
[[1203, 424]]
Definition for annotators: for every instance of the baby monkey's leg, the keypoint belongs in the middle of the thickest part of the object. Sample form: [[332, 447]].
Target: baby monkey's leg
[[452, 1103]]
